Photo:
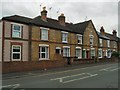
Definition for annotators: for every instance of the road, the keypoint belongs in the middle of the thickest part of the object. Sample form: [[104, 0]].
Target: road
[[95, 76]]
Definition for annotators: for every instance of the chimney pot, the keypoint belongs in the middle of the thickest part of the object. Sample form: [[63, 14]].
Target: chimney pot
[[102, 31], [61, 19], [44, 14], [114, 33]]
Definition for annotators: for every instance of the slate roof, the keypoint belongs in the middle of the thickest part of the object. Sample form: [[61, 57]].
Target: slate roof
[[50, 23], [19, 19], [102, 36], [79, 27], [114, 38]]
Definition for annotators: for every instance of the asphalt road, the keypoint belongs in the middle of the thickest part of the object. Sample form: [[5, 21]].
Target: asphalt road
[[97, 76]]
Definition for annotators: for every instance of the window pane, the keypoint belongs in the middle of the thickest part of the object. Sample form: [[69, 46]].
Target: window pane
[[42, 55], [16, 48], [66, 52], [16, 34], [42, 49], [44, 52], [44, 34], [16, 56], [17, 27], [64, 36]]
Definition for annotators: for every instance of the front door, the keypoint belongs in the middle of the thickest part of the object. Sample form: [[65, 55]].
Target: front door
[[87, 54]]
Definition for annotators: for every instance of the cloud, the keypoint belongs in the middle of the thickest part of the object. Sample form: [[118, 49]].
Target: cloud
[[101, 12]]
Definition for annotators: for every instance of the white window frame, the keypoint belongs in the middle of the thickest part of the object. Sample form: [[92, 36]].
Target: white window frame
[[68, 47], [100, 52], [79, 36], [108, 43], [92, 53], [109, 53], [16, 53], [43, 45], [59, 49], [13, 31], [80, 51], [91, 37], [63, 32], [46, 29], [101, 44]]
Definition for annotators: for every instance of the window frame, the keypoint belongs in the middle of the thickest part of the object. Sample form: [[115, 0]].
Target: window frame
[[108, 43], [17, 53], [46, 29], [68, 53], [13, 30], [40, 54], [101, 42], [80, 51], [66, 37], [91, 37], [91, 54], [79, 35], [101, 54], [59, 48]]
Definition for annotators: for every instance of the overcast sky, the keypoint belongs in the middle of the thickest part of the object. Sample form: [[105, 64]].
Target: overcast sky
[[101, 12]]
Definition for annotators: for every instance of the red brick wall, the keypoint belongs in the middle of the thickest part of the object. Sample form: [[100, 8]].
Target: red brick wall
[[30, 65]]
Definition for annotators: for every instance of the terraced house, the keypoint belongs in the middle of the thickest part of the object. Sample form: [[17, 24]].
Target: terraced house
[[43, 42]]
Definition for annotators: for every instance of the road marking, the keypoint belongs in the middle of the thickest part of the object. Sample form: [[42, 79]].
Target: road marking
[[80, 78], [11, 86], [61, 78], [107, 69], [114, 69]]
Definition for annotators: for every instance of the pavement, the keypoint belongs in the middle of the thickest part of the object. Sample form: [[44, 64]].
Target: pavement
[[45, 71]]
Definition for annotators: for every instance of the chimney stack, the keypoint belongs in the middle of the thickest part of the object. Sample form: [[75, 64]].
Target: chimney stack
[[61, 19], [114, 33], [102, 31], [44, 14]]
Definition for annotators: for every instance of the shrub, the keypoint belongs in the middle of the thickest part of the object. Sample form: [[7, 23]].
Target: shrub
[[115, 54]]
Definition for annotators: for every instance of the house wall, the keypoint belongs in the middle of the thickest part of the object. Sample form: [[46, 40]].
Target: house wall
[[86, 40], [9, 40], [7, 50], [54, 41], [8, 30], [1, 41]]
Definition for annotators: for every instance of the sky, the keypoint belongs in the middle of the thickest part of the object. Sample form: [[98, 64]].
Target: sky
[[101, 12]]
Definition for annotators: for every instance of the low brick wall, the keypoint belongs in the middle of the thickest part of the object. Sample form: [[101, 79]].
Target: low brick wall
[[88, 61], [83, 61], [8, 67]]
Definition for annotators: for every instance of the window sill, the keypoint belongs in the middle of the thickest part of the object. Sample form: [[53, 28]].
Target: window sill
[[44, 40], [16, 60], [43, 59], [64, 42]]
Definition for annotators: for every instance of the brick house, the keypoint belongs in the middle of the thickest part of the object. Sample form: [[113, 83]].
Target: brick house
[[108, 43], [42, 42]]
